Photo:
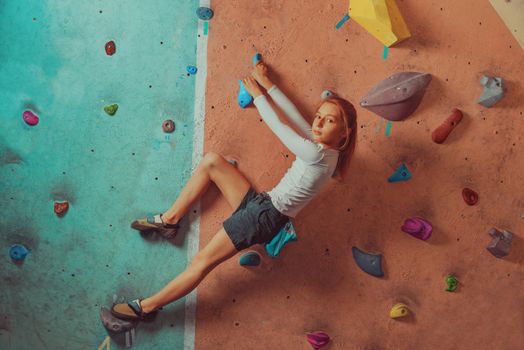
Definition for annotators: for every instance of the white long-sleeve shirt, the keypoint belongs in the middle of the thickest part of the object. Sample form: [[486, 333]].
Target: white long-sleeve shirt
[[314, 164]]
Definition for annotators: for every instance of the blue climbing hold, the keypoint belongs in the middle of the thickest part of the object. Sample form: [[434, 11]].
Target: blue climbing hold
[[18, 252], [204, 13], [244, 98], [401, 174], [285, 235], [250, 258], [191, 69], [256, 58]]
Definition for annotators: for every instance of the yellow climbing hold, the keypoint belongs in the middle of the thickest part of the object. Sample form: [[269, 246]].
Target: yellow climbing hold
[[399, 310], [381, 18]]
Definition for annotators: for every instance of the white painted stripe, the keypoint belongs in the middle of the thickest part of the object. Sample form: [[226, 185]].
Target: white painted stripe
[[193, 239]]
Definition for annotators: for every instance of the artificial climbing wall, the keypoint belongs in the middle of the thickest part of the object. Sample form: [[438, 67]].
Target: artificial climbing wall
[[315, 284], [111, 169]]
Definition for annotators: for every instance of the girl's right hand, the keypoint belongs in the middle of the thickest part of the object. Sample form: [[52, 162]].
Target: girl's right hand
[[260, 73]]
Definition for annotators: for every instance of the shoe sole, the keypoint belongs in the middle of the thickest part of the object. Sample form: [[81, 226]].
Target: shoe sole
[[168, 233]]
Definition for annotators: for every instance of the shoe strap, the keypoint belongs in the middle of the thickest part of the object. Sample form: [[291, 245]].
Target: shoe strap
[[151, 219], [135, 306]]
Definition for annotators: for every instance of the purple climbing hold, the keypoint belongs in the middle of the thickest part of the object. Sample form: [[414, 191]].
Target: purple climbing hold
[[30, 118], [501, 243], [418, 227], [317, 339], [398, 96], [114, 324]]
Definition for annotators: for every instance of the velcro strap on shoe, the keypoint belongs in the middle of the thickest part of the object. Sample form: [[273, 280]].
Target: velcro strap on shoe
[[135, 306]]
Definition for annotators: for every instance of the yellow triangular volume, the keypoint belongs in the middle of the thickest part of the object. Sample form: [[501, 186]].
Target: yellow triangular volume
[[381, 18]]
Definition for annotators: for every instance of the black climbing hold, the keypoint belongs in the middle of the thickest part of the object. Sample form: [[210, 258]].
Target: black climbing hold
[[204, 13], [114, 324], [368, 262]]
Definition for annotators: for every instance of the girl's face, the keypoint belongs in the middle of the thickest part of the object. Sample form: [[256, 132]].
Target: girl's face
[[328, 127]]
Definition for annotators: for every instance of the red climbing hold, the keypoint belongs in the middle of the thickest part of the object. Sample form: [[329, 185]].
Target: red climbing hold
[[61, 208], [110, 48], [470, 197], [440, 134]]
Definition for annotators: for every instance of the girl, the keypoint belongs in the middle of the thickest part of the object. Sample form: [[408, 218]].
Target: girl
[[323, 150]]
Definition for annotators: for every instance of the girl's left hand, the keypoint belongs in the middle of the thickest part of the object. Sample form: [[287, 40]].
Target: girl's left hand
[[252, 87]]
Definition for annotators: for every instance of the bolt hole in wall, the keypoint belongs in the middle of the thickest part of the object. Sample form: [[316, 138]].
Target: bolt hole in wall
[[73, 78]]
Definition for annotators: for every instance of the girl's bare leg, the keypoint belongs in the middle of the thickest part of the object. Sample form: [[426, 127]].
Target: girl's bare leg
[[212, 168], [219, 249], [234, 187]]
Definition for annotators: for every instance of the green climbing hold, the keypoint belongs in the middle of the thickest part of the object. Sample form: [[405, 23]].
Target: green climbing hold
[[452, 283], [111, 109]]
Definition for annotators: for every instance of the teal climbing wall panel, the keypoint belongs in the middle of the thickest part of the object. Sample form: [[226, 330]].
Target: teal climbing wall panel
[[111, 169]]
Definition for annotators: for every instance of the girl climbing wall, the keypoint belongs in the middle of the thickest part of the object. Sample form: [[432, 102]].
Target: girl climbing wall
[[323, 151]]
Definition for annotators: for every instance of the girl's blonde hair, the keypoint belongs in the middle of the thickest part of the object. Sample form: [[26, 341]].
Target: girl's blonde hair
[[347, 145]]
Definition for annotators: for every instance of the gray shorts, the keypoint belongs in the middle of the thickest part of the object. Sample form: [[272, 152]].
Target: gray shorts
[[256, 221]]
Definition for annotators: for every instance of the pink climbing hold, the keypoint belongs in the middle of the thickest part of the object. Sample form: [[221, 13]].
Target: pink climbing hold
[[317, 339], [30, 118], [418, 227]]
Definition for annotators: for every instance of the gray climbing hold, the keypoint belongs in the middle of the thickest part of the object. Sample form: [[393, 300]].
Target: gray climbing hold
[[501, 243], [204, 13], [493, 90], [114, 324], [233, 162], [325, 94], [368, 262]]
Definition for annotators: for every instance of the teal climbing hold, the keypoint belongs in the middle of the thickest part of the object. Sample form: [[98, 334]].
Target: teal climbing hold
[[401, 174], [244, 98], [385, 53], [286, 234], [250, 258], [342, 21], [204, 13]]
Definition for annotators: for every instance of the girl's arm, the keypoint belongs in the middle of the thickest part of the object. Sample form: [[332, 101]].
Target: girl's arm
[[304, 149], [261, 74], [285, 104]]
